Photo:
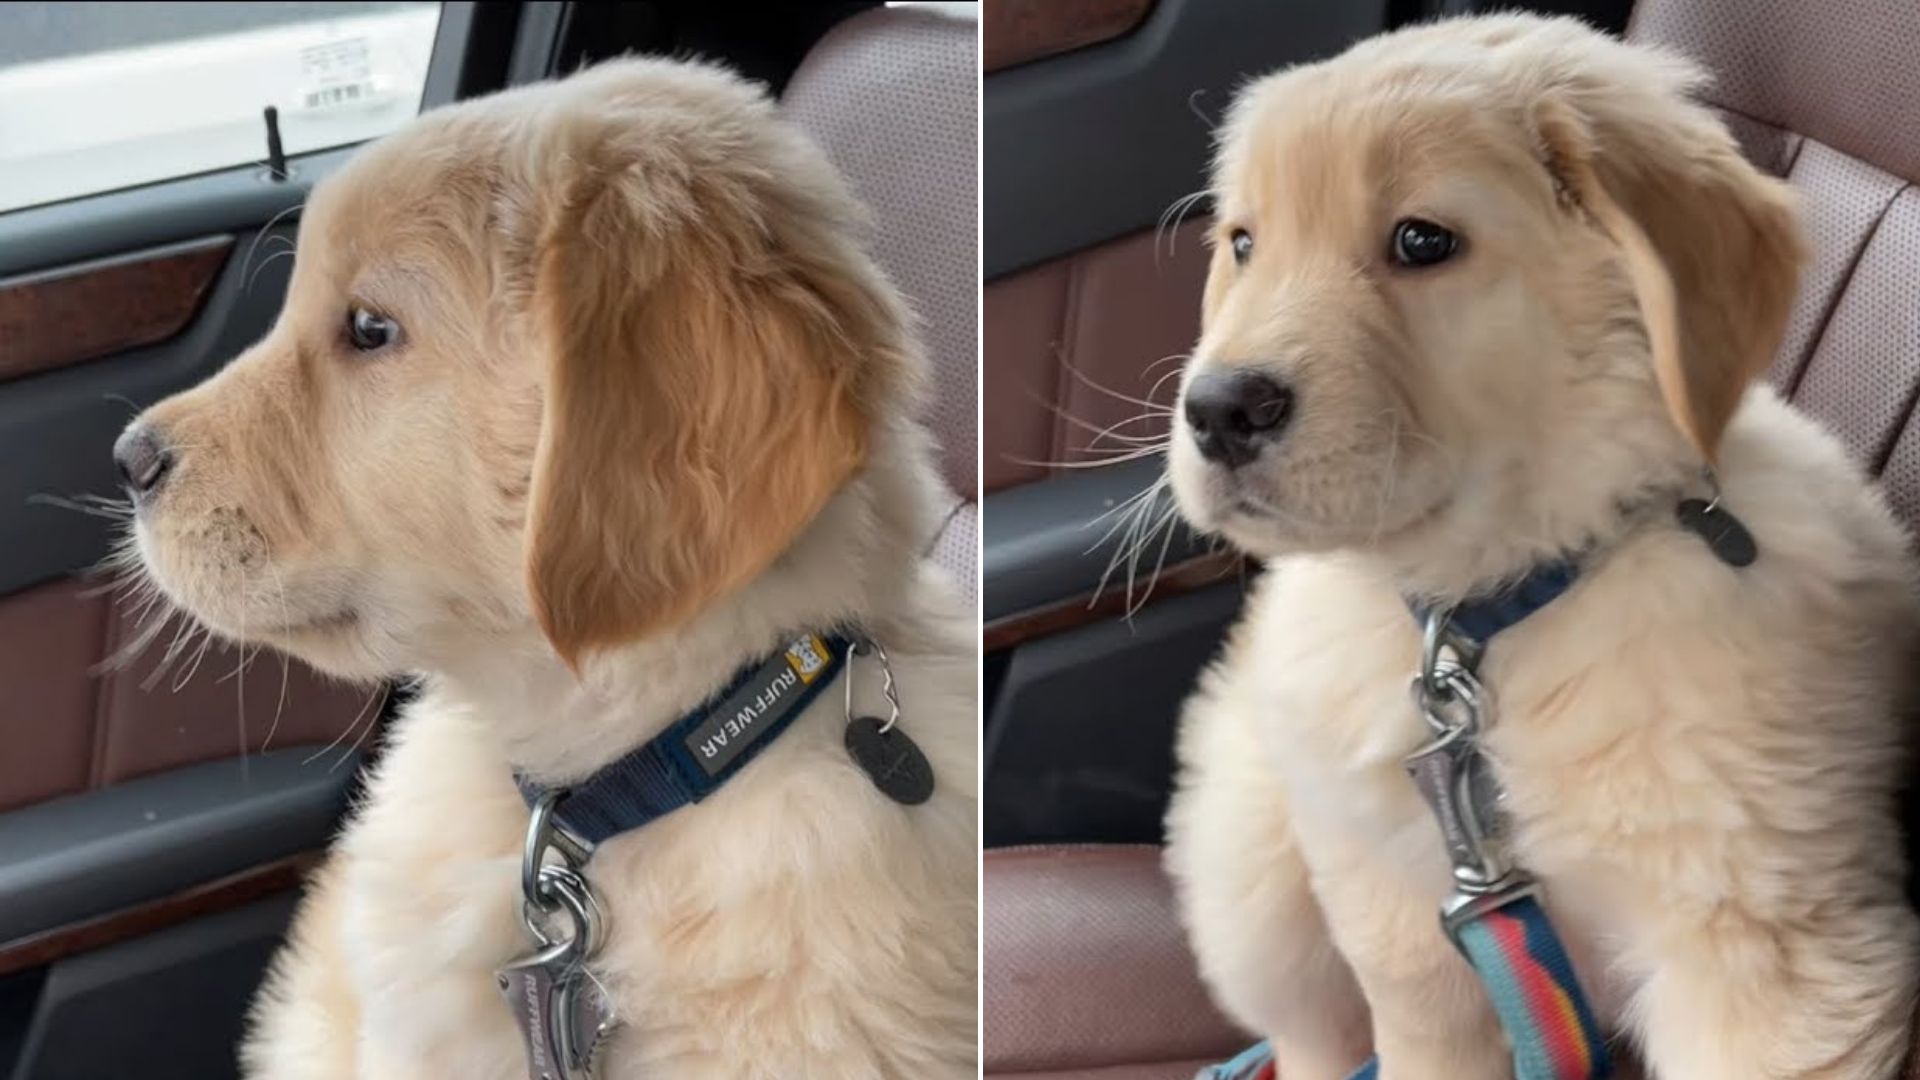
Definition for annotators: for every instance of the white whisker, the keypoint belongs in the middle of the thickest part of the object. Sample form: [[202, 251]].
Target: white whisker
[[265, 230], [372, 722], [206, 645], [351, 725], [280, 587], [1118, 457], [264, 263], [240, 677], [1089, 381]]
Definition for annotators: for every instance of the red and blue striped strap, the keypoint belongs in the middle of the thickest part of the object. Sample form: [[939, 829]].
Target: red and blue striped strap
[[1527, 975]]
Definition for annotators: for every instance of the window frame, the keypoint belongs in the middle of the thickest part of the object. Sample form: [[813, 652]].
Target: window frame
[[144, 215]]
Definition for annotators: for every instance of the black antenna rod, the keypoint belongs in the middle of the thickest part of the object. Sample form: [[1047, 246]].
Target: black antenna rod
[[276, 154]]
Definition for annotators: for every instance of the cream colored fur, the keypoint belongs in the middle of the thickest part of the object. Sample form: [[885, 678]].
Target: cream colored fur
[[1701, 761], [371, 513]]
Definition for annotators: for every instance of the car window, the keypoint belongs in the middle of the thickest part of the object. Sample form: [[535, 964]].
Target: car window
[[100, 96]]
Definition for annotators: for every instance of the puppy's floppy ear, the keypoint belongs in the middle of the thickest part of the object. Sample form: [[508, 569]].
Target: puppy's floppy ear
[[1711, 246], [700, 405]]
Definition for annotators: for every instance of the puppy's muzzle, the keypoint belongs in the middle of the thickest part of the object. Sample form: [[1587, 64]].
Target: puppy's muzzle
[[1234, 413], [144, 460]]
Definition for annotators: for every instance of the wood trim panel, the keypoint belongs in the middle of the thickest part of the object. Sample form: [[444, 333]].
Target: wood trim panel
[[39, 950], [60, 317], [1020, 31], [1061, 615]]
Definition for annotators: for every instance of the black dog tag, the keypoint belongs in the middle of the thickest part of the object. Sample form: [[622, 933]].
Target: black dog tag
[[891, 760], [1726, 537]]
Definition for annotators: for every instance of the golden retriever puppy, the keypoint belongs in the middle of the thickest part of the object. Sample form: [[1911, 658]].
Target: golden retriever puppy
[[584, 396], [1488, 294]]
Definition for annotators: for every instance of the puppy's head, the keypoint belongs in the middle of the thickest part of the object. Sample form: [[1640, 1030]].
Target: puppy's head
[[1463, 266], [587, 356]]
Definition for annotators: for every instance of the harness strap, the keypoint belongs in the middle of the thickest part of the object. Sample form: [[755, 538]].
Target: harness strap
[[1480, 618]]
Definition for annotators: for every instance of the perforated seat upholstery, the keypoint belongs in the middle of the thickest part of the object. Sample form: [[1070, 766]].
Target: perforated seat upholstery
[[1827, 96], [1087, 975], [891, 94]]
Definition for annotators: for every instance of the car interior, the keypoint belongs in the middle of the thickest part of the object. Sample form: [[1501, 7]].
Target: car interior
[[1099, 611], [158, 813]]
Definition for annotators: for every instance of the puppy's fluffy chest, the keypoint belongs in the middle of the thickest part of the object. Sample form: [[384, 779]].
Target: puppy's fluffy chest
[[738, 928], [1657, 736]]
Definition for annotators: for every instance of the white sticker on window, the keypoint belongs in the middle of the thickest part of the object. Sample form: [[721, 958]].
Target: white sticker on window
[[337, 73]]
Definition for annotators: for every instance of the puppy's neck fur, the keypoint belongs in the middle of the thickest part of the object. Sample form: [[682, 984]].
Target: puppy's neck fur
[[851, 567], [1592, 470]]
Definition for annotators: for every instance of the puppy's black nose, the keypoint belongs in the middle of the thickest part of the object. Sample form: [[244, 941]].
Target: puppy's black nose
[[143, 459], [1233, 412]]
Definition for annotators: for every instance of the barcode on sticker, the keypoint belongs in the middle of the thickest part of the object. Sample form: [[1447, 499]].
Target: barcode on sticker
[[343, 94]]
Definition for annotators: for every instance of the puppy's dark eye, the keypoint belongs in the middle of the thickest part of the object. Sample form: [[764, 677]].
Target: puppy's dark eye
[[1422, 243], [370, 331], [1242, 246]]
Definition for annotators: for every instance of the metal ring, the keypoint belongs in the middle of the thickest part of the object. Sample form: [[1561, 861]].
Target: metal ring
[[888, 688], [544, 834], [564, 889], [853, 650], [1458, 690], [1713, 489], [1434, 639]]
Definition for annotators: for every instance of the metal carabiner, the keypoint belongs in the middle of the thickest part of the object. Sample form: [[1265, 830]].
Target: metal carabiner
[[868, 645], [560, 1008], [1450, 771], [556, 1002], [1455, 778], [545, 834]]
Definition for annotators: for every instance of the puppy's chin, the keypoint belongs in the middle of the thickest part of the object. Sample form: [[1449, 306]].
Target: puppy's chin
[[343, 646], [338, 638], [1272, 508]]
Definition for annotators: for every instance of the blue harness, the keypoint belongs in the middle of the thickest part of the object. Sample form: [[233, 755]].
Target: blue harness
[[1494, 916]]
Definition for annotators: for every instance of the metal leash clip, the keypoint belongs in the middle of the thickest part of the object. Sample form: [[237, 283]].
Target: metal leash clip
[[561, 1011], [866, 646], [1457, 781]]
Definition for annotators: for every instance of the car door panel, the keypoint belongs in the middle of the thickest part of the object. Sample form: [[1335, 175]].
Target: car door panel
[[174, 1000], [68, 861], [122, 748], [1083, 352], [1080, 740], [45, 634], [1021, 32], [69, 417], [118, 721], [1095, 268], [159, 805], [1094, 144], [74, 727]]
